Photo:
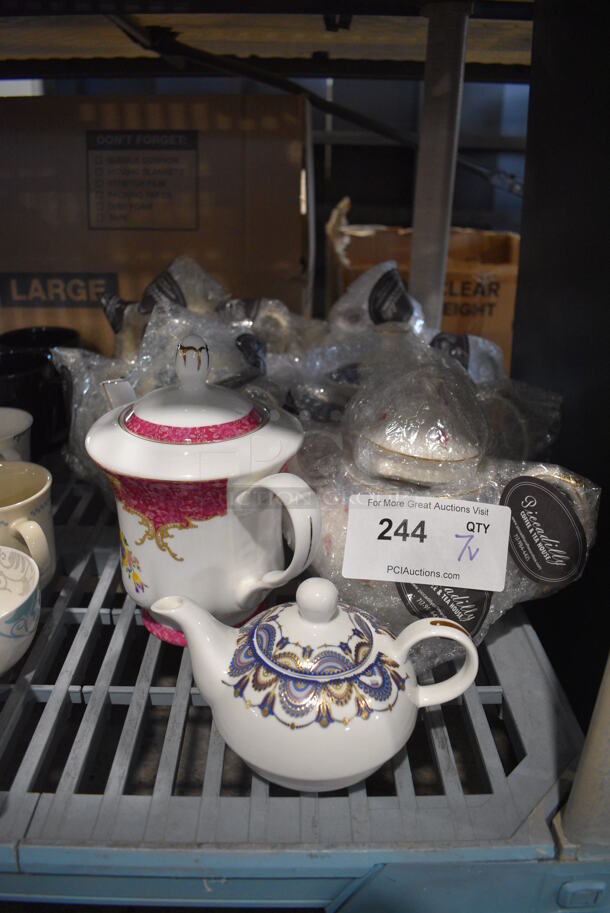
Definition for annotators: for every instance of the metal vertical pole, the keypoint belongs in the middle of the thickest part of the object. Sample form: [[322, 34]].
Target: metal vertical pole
[[586, 818], [438, 143], [328, 126]]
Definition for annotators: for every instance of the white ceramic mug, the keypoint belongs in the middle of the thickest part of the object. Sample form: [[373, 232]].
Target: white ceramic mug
[[25, 514], [19, 605], [15, 427]]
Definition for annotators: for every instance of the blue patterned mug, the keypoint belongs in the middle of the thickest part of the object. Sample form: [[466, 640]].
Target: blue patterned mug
[[19, 604]]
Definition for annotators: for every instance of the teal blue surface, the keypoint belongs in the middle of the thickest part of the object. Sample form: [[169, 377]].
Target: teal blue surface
[[532, 887], [265, 893], [407, 887], [158, 862]]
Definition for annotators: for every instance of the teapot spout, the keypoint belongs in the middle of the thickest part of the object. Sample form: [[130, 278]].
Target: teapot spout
[[210, 642]]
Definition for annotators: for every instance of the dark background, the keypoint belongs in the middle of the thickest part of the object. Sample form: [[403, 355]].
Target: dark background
[[561, 322]]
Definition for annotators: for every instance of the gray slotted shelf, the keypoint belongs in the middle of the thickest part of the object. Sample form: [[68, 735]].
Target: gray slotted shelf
[[105, 743]]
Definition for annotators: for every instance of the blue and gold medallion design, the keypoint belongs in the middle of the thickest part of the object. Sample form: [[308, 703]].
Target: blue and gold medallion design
[[300, 685]]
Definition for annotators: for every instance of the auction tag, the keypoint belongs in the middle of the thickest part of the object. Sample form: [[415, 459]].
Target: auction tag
[[427, 541]]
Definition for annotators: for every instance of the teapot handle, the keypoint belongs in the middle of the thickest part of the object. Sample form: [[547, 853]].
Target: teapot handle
[[427, 629], [9, 453], [303, 508]]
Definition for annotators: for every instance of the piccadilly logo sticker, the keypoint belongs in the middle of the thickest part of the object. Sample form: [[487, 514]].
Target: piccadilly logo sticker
[[546, 540]]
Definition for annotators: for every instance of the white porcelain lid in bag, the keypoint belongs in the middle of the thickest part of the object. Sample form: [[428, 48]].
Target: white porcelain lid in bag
[[423, 426], [193, 430]]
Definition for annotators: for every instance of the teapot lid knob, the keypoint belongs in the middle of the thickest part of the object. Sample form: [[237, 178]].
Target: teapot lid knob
[[192, 362], [317, 600]]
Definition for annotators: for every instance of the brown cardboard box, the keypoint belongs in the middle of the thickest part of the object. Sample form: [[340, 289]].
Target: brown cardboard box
[[100, 194], [480, 283]]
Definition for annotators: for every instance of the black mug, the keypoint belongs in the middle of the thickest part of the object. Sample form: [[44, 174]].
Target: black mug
[[29, 380], [40, 338]]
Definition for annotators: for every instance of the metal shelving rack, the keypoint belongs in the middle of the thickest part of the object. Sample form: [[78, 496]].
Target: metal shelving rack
[[118, 788]]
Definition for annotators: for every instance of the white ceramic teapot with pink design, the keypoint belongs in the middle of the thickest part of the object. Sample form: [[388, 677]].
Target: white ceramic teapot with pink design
[[196, 472]]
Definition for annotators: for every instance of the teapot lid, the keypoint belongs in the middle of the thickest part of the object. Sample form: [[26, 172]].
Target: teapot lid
[[193, 431], [304, 662], [192, 411]]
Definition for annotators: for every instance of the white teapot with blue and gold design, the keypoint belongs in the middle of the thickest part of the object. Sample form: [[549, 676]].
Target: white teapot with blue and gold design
[[313, 695]]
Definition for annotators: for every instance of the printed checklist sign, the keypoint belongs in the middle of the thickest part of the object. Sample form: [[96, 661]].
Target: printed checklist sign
[[142, 179], [433, 541]]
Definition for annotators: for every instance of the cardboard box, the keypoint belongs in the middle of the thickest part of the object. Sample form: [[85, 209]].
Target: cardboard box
[[100, 194], [480, 283]]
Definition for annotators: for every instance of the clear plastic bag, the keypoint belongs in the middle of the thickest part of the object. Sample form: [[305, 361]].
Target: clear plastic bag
[[306, 333], [186, 284], [86, 371], [480, 357], [262, 390], [129, 324], [183, 284], [268, 319], [323, 463], [319, 381], [236, 357], [523, 420], [377, 296], [418, 422]]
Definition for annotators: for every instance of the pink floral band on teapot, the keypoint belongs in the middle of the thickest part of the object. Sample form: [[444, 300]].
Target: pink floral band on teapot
[[205, 434], [164, 506]]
